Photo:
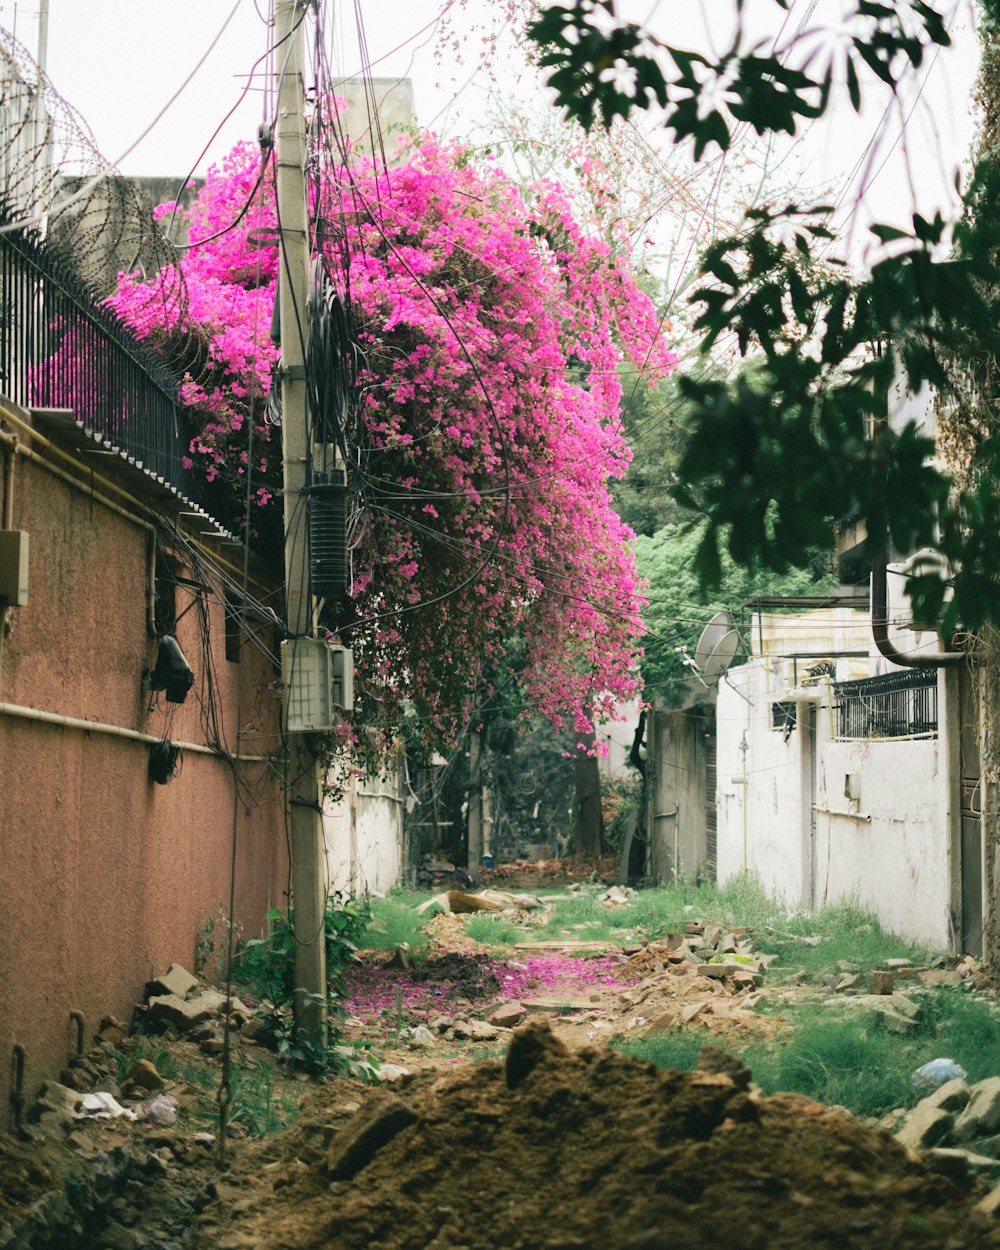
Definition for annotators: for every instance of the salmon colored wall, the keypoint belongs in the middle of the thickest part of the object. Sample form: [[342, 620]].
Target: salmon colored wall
[[105, 876]]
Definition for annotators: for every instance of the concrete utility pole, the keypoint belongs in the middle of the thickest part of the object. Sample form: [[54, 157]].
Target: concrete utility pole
[[475, 805], [305, 778]]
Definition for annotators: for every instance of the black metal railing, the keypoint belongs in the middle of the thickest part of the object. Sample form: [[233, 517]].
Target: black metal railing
[[61, 349], [897, 705]]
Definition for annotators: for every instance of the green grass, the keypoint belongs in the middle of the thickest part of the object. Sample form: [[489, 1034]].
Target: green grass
[[395, 922], [495, 931], [837, 1054], [846, 1057]]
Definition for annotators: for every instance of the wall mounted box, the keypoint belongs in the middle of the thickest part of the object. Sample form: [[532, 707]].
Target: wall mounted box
[[14, 567], [318, 678]]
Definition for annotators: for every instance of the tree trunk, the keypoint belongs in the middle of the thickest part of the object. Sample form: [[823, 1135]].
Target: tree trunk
[[588, 829]]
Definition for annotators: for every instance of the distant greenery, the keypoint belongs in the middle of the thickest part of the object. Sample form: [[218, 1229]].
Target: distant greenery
[[679, 607]]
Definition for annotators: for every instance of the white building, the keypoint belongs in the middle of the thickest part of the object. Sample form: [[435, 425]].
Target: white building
[[842, 777]]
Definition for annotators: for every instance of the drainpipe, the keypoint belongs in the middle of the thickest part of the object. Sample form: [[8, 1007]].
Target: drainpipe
[[9, 456], [7, 523], [880, 625]]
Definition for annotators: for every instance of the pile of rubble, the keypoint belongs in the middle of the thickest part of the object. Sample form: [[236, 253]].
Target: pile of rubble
[[958, 1126], [555, 1149], [705, 975]]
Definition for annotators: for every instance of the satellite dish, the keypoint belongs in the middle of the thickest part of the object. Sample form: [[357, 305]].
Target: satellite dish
[[721, 657], [717, 628]]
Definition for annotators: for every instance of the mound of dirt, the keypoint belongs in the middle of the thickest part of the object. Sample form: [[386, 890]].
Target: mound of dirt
[[562, 1150]]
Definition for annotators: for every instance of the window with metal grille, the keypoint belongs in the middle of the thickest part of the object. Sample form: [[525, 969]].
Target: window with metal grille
[[897, 705]]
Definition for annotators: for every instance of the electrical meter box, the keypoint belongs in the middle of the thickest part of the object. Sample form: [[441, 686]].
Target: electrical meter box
[[319, 684], [13, 568]]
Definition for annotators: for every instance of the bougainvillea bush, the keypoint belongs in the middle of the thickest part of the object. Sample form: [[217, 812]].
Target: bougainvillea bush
[[492, 331]]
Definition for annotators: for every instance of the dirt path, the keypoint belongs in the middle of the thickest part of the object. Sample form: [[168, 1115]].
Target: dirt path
[[485, 1135]]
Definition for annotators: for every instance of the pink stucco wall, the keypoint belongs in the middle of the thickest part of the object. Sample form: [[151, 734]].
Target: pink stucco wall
[[106, 877]]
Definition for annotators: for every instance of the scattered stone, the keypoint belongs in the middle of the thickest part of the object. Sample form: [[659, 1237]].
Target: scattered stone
[[421, 1038], [948, 977], [355, 1146], [990, 1205], [951, 1096], [924, 1127], [474, 1031], [143, 1073], [212, 1046], [896, 964], [76, 1078], [393, 1072], [881, 983], [962, 1161], [112, 1034], [115, 1237], [187, 1013], [176, 980], [507, 1015], [255, 1030], [850, 981], [617, 896], [981, 1116], [441, 1024]]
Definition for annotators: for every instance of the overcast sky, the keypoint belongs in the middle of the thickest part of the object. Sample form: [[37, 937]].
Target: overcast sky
[[118, 62]]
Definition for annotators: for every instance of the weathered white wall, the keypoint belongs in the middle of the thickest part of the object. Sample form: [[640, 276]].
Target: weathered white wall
[[617, 737], [763, 824], [889, 849], [365, 836]]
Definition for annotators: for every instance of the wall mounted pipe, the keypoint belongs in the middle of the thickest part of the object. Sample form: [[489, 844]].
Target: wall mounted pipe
[[17, 1084], [9, 457], [76, 1017], [880, 626], [118, 731]]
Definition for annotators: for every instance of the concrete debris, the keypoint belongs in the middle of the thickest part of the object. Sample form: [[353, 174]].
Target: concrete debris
[[881, 982], [421, 1038], [507, 1015], [176, 980], [924, 1127], [188, 1013], [617, 896], [957, 1126], [951, 1096], [981, 1116]]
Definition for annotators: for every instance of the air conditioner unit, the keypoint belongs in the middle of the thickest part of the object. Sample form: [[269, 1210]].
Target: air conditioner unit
[[318, 678]]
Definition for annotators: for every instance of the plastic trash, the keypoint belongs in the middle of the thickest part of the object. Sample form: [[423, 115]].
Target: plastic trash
[[159, 1110], [931, 1075], [103, 1106]]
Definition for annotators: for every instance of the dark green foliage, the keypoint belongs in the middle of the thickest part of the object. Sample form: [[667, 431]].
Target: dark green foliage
[[680, 606], [265, 970], [771, 466], [578, 43]]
